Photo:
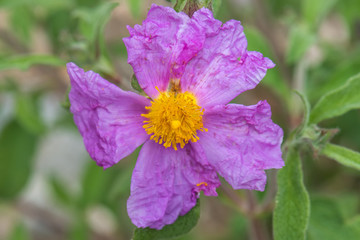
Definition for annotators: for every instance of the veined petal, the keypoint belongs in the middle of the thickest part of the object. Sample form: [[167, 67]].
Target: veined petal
[[165, 184], [160, 48], [224, 68], [241, 142], [108, 118]]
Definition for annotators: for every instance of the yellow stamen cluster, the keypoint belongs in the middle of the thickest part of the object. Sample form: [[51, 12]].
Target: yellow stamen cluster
[[174, 118]]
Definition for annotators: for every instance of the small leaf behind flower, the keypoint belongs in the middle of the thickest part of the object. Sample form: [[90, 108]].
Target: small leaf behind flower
[[216, 4], [291, 214], [342, 155], [180, 4], [180, 227], [338, 101], [135, 84]]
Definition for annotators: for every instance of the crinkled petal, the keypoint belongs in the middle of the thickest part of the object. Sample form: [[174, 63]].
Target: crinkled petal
[[160, 48], [206, 22], [107, 117], [166, 183], [241, 142], [224, 68]]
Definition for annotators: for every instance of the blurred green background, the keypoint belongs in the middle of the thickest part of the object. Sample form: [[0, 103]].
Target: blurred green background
[[51, 189]]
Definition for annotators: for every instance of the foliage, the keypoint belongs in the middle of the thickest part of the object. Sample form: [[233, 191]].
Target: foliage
[[291, 214], [180, 227]]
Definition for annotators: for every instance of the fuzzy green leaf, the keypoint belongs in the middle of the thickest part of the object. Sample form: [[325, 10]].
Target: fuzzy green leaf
[[338, 101], [291, 214], [342, 155], [180, 227]]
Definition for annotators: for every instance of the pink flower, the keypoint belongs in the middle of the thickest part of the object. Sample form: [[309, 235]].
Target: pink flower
[[191, 68]]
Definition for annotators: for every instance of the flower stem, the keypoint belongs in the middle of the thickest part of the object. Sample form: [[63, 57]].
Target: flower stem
[[257, 229]]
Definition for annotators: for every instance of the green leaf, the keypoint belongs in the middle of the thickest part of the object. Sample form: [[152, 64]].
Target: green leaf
[[342, 155], [349, 11], [57, 24], [204, 3], [17, 148], [291, 214], [314, 11], [347, 204], [136, 86], [22, 22], [120, 185], [180, 4], [216, 4], [79, 230], [27, 114], [60, 191], [180, 227], [20, 232], [135, 7], [354, 224], [92, 23], [23, 62], [327, 222], [332, 75], [93, 184], [66, 102], [278, 7], [338, 101], [300, 40]]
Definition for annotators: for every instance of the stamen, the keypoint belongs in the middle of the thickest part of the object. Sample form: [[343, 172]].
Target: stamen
[[174, 118], [202, 183]]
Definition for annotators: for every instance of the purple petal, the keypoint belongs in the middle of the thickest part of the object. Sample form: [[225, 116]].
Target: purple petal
[[108, 118], [166, 183], [160, 48], [241, 142], [224, 68], [206, 22]]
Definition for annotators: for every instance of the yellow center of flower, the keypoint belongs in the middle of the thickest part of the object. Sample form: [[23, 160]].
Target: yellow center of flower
[[174, 118]]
